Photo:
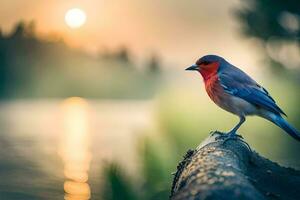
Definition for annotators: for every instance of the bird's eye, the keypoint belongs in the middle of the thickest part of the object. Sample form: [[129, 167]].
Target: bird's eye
[[204, 63]]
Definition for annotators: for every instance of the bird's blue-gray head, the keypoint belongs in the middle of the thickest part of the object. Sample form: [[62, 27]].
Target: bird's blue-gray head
[[207, 63], [208, 59]]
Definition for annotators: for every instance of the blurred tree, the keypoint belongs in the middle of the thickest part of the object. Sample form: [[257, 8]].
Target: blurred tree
[[30, 30], [153, 65], [123, 55], [16, 63], [32, 67], [276, 24], [19, 30]]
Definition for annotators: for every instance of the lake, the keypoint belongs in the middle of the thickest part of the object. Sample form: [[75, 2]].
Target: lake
[[56, 149]]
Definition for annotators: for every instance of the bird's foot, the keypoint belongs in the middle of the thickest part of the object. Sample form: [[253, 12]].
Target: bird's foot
[[227, 136], [212, 133], [231, 136]]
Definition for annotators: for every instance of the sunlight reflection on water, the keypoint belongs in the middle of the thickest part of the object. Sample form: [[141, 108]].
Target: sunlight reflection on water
[[52, 149], [75, 148]]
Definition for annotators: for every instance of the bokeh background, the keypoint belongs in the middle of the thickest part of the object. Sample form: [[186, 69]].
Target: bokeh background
[[106, 111]]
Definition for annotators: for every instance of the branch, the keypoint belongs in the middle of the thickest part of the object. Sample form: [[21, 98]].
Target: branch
[[230, 170]]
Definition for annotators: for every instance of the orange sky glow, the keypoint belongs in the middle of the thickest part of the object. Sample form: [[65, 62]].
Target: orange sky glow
[[178, 31]]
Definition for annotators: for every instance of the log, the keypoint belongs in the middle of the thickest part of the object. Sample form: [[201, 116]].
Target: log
[[232, 171]]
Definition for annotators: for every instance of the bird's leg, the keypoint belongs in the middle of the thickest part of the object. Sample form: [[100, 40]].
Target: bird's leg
[[232, 134]]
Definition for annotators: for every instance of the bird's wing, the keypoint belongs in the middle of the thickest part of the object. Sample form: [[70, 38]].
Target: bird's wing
[[239, 84]]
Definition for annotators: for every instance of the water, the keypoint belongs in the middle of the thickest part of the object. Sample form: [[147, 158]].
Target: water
[[57, 149]]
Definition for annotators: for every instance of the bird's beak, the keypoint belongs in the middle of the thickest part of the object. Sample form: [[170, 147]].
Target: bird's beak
[[192, 68]]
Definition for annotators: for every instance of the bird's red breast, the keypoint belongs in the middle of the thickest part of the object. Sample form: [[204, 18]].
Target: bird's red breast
[[214, 89], [211, 80]]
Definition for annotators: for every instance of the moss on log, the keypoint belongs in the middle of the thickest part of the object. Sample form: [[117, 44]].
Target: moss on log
[[230, 171]]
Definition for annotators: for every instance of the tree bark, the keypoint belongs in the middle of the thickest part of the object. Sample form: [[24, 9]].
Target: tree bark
[[231, 170]]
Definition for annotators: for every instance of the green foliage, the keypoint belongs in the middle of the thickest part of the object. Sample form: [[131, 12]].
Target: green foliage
[[156, 176], [157, 168], [117, 185]]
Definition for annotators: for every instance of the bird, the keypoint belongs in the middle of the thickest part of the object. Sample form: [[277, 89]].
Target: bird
[[236, 92]]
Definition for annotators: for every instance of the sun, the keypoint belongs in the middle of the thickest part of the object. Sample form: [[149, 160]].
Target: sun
[[75, 18]]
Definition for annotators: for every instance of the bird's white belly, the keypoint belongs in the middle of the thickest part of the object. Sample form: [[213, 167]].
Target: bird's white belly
[[237, 105]]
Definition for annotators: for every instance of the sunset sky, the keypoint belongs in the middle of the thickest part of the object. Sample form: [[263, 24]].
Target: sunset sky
[[178, 31]]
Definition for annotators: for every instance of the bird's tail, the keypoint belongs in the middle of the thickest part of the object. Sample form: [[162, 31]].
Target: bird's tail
[[282, 123]]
